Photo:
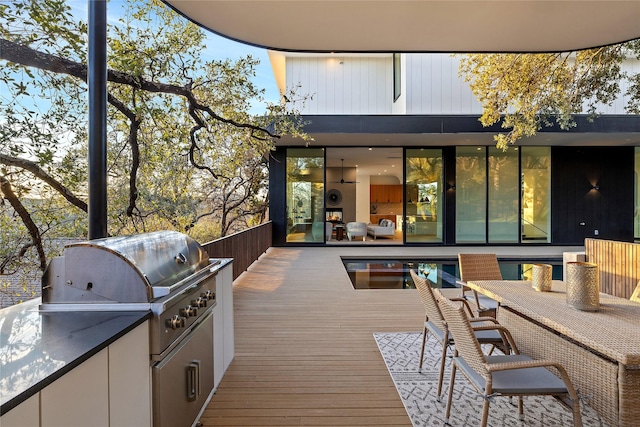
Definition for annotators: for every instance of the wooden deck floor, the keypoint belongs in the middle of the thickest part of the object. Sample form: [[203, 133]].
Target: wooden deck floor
[[304, 350]]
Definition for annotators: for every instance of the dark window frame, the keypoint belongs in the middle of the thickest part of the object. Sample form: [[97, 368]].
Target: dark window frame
[[397, 77]]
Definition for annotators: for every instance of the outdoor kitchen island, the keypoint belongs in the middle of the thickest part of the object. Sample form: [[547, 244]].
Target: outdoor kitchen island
[[126, 363], [61, 366]]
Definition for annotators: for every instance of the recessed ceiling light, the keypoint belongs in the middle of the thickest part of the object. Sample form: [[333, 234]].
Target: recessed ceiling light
[[370, 148]]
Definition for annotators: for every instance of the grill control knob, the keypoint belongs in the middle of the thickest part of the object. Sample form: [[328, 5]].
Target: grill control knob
[[200, 302], [188, 311], [208, 295], [176, 322]]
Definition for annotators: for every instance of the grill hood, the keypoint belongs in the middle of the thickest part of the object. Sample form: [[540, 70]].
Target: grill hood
[[127, 269]]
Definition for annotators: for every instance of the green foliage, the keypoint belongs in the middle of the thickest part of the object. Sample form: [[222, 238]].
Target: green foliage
[[527, 92], [184, 151]]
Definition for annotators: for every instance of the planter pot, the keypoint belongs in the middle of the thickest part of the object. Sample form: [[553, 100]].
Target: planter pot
[[542, 275], [583, 286]]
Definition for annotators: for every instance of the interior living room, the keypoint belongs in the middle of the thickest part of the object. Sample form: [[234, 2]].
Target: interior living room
[[365, 183], [362, 200]]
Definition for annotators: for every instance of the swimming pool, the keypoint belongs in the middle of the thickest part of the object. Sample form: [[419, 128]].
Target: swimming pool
[[394, 273]]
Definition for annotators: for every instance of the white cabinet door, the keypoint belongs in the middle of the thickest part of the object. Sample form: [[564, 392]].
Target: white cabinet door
[[223, 329], [26, 414], [218, 334], [227, 304], [112, 388], [130, 379], [80, 398]]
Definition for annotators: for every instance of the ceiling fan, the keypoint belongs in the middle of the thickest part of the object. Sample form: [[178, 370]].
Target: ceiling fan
[[342, 181]]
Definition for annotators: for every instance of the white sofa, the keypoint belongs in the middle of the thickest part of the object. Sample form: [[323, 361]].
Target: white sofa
[[385, 227]]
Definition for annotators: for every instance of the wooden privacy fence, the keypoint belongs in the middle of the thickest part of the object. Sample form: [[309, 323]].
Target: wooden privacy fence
[[618, 264], [244, 247]]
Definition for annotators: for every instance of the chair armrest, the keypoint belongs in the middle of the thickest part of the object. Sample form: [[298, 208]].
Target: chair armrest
[[504, 333], [523, 364], [485, 319]]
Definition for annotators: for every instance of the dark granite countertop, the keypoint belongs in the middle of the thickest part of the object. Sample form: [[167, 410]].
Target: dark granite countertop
[[36, 348]]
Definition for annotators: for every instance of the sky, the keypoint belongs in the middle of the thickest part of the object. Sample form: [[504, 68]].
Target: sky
[[217, 46]]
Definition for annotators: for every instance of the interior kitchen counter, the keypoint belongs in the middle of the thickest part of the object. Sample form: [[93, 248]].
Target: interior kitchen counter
[[38, 347]]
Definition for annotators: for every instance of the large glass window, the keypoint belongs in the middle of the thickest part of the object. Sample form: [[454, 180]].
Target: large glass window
[[305, 195], [536, 194], [471, 195], [424, 195], [504, 184]]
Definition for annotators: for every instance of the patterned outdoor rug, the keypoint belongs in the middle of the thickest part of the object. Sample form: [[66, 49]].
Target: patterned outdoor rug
[[401, 351]]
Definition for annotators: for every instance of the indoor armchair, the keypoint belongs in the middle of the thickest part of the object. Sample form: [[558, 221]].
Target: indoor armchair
[[356, 229]]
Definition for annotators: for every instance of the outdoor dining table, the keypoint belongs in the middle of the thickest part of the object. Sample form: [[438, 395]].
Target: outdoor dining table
[[599, 349]]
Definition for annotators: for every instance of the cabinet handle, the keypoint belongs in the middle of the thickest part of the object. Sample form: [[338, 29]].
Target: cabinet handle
[[193, 380]]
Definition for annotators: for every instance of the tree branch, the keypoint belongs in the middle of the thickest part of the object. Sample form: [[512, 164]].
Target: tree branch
[[135, 150], [26, 56], [7, 191], [37, 171]]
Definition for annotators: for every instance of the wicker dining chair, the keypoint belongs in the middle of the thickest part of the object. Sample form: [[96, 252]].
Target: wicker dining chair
[[434, 323], [501, 375], [479, 267]]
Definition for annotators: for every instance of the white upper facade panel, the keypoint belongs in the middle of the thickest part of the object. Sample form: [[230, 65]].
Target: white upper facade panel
[[363, 84], [433, 86], [342, 84]]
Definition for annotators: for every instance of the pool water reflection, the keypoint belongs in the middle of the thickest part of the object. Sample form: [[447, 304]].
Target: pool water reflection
[[442, 273]]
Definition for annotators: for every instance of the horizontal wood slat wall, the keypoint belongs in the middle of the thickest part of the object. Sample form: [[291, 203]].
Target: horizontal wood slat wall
[[244, 247], [618, 265]]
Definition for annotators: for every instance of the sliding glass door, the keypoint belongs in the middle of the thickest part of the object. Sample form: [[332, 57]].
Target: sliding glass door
[[424, 199], [503, 191], [536, 194], [305, 195], [471, 195]]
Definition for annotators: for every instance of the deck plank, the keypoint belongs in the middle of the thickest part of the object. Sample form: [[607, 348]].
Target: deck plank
[[304, 349]]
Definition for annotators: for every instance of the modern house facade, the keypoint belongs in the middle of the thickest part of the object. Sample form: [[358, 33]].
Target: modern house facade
[[397, 138]]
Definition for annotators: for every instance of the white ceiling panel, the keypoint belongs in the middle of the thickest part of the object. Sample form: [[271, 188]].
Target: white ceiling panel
[[418, 25]]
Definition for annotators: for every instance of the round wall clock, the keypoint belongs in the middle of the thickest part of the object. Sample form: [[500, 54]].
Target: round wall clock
[[334, 197]]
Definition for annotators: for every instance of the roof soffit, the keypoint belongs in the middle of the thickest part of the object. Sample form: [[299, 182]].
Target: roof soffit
[[418, 25]]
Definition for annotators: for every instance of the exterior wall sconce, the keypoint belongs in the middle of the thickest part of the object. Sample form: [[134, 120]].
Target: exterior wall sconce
[[595, 187], [451, 186]]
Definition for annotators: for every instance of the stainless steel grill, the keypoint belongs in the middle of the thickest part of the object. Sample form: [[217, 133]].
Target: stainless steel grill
[[165, 272], [129, 269]]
